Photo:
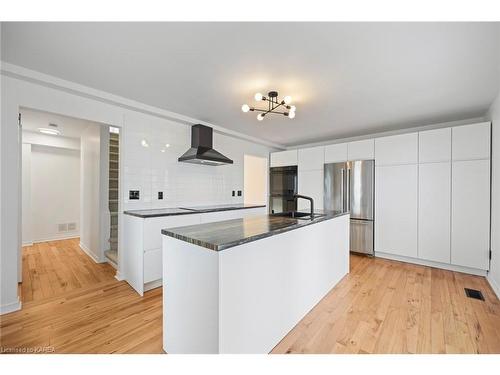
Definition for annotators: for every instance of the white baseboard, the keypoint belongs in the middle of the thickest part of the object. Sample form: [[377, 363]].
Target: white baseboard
[[11, 307], [494, 285], [429, 263], [153, 285], [119, 276], [87, 251], [27, 244], [57, 238]]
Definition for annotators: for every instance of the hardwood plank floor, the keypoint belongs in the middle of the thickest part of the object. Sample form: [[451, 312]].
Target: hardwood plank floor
[[385, 306], [57, 267], [74, 305]]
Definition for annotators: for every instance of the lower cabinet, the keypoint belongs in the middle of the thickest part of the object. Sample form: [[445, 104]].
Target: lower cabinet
[[310, 183], [396, 209], [434, 192], [152, 265], [470, 214]]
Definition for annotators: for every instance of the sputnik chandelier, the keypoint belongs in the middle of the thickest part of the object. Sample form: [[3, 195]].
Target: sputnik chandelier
[[272, 105]]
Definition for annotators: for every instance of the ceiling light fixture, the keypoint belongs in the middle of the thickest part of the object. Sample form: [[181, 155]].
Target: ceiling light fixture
[[273, 105], [51, 130]]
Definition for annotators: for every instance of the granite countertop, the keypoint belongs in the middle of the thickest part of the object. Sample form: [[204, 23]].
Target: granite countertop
[[222, 235], [158, 212]]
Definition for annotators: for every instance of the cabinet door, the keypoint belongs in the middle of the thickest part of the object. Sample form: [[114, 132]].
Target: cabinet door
[[284, 158], [153, 227], [397, 149], [434, 146], [396, 210], [470, 220], [471, 142], [361, 150], [434, 211], [336, 153], [311, 158], [310, 184]]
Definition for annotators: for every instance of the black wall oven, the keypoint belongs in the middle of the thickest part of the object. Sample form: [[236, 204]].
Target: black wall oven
[[283, 186]]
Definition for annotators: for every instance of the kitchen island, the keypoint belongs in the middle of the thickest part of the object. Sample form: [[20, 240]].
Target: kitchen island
[[239, 286]]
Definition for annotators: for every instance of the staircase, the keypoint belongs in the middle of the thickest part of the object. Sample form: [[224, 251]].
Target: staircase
[[114, 146]]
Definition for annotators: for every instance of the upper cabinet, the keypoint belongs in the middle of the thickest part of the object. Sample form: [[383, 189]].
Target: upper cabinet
[[361, 150], [284, 158], [311, 158], [471, 142], [397, 149], [434, 145], [336, 153]]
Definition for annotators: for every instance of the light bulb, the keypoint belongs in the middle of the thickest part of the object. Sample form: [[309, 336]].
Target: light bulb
[[287, 99], [167, 145], [291, 114], [144, 143], [258, 96], [292, 108], [260, 116], [245, 108]]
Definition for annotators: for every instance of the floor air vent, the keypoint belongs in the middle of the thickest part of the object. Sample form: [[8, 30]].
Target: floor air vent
[[473, 293]]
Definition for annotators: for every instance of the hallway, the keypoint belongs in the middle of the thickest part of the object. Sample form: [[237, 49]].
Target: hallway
[[57, 267]]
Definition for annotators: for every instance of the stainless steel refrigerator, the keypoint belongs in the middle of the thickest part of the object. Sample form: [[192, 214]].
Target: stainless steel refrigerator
[[350, 187]]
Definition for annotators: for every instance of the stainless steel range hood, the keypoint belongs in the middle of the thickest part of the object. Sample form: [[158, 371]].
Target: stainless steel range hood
[[201, 151]]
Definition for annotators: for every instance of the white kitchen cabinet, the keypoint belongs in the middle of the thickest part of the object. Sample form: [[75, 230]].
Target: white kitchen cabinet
[[361, 150], [211, 217], [152, 265], [336, 153], [397, 149], [311, 158], [471, 142], [470, 214], [434, 202], [434, 146], [310, 183], [284, 158], [154, 225], [396, 210]]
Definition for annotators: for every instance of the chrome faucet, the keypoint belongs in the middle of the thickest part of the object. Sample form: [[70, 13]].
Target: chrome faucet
[[296, 196]]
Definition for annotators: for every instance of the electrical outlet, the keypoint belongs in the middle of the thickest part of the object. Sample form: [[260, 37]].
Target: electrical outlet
[[234, 193], [160, 195], [239, 193], [133, 194]]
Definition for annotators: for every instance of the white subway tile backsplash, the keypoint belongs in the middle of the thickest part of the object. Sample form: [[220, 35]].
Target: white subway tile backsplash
[[149, 170]]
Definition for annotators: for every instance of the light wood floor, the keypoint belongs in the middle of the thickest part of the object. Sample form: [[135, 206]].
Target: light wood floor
[[380, 307], [57, 267]]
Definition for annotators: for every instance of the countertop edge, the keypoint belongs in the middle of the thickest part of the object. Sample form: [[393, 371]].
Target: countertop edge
[[188, 212], [243, 241]]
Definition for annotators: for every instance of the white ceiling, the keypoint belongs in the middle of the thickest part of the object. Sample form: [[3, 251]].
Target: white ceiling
[[346, 79], [68, 126]]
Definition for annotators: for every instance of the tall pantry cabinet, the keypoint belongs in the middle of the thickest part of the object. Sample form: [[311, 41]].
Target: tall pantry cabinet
[[433, 197]]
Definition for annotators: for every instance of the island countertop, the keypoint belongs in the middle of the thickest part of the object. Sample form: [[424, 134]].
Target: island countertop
[[222, 235], [159, 212]]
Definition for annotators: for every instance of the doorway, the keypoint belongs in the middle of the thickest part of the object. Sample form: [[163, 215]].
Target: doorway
[[70, 199], [255, 181]]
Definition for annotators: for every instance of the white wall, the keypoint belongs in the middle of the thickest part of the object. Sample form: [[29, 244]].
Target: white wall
[[147, 169], [255, 180], [494, 274], [90, 233], [55, 192]]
